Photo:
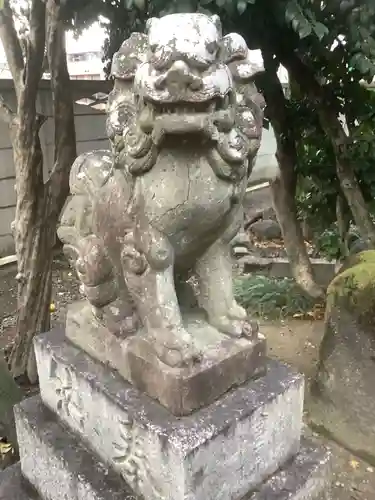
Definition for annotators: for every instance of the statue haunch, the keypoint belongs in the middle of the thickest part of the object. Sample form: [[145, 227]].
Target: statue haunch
[[185, 122]]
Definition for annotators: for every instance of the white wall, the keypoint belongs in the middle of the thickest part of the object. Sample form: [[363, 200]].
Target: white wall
[[266, 167], [90, 129]]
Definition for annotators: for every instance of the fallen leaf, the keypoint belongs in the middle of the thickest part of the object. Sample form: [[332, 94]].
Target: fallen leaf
[[5, 448], [52, 308], [354, 464]]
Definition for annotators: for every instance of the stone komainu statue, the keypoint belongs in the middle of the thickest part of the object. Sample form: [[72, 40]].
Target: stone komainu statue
[[185, 122]]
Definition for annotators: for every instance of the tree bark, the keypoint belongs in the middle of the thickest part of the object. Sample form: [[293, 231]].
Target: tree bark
[[283, 188], [27, 228], [283, 197], [343, 217], [346, 175], [11, 45], [65, 134], [39, 204]]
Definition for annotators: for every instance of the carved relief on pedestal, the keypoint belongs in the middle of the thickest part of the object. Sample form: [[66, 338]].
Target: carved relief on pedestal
[[69, 401], [131, 459]]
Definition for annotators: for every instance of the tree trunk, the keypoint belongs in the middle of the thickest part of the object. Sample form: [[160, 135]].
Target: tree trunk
[[34, 235], [346, 174], [343, 217], [353, 194], [65, 134], [39, 204], [283, 188], [34, 282], [283, 197], [340, 142]]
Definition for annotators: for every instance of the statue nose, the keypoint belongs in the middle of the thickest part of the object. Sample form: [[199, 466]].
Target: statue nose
[[179, 77]]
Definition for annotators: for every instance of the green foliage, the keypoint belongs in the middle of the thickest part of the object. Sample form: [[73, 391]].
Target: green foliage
[[328, 244], [271, 297], [318, 185], [315, 28]]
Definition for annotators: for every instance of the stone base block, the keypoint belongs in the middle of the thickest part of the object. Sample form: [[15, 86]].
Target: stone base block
[[227, 362], [307, 476], [218, 453], [60, 468], [55, 463]]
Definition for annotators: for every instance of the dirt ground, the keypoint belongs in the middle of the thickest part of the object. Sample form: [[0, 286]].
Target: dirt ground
[[293, 342]]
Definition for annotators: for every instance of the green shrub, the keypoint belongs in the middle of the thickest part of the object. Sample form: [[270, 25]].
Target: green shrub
[[272, 297], [328, 244]]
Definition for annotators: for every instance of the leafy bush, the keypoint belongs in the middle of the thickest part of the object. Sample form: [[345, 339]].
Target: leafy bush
[[328, 244], [272, 297]]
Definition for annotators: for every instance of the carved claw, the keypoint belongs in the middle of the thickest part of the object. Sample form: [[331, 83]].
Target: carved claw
[[236, 323], [237, 312], [229, 326], [176, 349]]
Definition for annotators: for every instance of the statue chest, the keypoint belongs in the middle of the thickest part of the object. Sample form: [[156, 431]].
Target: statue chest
[[182, 194]]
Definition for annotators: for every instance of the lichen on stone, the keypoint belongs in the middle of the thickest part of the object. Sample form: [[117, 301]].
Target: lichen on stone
[[354, 288]]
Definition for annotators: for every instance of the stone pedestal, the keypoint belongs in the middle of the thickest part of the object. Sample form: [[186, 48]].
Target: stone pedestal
[[227, 362], [91, 435]]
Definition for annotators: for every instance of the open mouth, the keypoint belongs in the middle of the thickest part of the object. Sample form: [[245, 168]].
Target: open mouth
[[188, 108]]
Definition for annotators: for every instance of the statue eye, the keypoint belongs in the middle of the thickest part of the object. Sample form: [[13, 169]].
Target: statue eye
[[212, 47]]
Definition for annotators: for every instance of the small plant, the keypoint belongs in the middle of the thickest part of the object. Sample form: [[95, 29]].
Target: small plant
[[328, 244], [272, 297]]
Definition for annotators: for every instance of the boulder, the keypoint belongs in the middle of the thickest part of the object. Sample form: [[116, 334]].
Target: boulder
[[342, 400], [241, 240], [266, 229]]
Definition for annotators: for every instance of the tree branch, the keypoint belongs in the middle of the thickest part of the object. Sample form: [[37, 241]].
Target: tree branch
[[35, 48], [12, 46], [6, 113], [65, 138]]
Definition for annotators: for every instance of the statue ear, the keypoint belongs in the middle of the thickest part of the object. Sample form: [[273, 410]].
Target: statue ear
[[234, 47], [152, 22], [216, 20]]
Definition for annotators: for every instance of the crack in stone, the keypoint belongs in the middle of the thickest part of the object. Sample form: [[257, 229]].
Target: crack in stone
[[179, 205]]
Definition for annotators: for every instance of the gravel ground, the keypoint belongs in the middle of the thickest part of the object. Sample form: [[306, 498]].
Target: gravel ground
[[294, 342]]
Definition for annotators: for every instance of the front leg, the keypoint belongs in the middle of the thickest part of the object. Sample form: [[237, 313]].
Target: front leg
[[216, 293], [148, 270]]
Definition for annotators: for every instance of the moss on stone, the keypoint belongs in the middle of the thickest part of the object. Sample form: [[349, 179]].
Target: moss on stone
[[354, 289]]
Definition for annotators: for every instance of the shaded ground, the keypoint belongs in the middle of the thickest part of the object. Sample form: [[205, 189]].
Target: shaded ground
[[294, 342], [297, 344], [65, 290]]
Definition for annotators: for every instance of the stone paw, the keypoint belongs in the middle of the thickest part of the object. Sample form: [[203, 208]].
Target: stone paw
[[176, 348], [236, 323], [250, 329], [237, 312], [227, 325]]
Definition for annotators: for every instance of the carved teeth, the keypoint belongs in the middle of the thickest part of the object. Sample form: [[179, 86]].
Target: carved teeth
[[171, 109]]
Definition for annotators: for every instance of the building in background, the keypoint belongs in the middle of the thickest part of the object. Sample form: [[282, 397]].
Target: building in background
[[85, 65], [85, 54]]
